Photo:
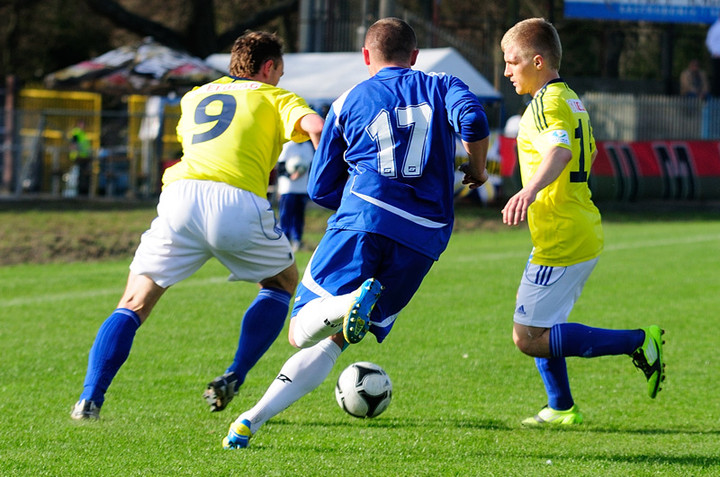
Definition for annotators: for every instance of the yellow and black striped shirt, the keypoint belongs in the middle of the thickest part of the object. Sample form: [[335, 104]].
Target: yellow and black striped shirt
[[564, 223]]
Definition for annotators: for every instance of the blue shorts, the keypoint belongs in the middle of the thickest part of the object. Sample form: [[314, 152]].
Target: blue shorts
[[344, 259]]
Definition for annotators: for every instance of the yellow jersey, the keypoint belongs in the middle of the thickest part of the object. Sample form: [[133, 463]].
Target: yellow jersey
[[564, 223], [232, 130]]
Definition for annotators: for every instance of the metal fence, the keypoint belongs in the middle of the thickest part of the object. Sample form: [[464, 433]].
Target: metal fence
[[131, 147], [627, 117]]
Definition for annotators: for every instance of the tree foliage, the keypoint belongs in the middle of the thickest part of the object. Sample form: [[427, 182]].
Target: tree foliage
[[37, 36], [41, 36], [199, 36]]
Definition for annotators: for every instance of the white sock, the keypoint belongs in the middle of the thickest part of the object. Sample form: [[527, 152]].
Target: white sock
[[320, 318], [301, 373]]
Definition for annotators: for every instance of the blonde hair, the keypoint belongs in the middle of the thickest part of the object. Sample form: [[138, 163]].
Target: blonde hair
[[535, 36], [252, 50]]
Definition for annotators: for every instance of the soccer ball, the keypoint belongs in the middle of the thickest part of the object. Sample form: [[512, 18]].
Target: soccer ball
[[363, 390], [295, 164]]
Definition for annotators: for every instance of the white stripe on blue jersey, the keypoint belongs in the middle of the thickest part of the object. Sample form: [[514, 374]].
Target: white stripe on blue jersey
[[405, 215]]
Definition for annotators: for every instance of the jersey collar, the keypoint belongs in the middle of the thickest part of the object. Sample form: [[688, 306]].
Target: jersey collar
[[552, 81], [390, 71]]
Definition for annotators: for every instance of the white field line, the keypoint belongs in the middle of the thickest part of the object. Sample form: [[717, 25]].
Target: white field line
[[194, 283], [115, 292], [610, 248], [665, 242]]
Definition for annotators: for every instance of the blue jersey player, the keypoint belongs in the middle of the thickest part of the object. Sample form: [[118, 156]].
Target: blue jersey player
[[385, 164]]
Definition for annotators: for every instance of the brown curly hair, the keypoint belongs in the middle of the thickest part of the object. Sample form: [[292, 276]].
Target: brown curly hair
[[252, 50]]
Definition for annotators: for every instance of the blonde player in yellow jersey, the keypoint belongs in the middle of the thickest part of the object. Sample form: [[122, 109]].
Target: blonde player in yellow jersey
[[214, 204], [556, 149]]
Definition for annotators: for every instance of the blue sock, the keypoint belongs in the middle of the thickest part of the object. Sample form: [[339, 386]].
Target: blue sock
[[557, 386], [261, 325], [109, 351], [574, 339]]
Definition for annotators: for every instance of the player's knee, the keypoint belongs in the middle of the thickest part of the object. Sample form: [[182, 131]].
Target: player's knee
[[300, 341], [295, 338], [524, 342], [291, 340], [297, 343], [533, 343], [140, 295], [286, 280], [141, 307]]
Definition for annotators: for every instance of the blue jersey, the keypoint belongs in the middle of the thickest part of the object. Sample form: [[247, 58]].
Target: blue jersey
[[386, 158]]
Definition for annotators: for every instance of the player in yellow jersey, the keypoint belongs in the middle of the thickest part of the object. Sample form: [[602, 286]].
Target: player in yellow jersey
[[214, 204], [556, 149]]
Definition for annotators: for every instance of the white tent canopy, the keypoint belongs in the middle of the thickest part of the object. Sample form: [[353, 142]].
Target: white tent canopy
[[320, 78]]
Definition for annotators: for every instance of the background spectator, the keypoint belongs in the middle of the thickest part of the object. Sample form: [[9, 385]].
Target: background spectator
[[78, 178], [694, 81], [293, 166]]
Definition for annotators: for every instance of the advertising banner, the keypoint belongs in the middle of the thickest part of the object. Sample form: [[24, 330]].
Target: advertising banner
[[662, 11], [630, 171]]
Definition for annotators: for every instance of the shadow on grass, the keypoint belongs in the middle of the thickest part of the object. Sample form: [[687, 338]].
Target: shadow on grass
[[696, 460], [659, 458], [406, 423], [488, 424]]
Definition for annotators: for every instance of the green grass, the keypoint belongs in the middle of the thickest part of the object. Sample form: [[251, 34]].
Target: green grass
[[460, 386]]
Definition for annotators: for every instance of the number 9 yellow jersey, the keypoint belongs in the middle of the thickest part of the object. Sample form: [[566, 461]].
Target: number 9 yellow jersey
[[232, 130], [565, 225]]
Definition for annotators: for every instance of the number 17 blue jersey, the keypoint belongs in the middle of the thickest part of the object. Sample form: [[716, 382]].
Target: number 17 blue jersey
[[386, 158]]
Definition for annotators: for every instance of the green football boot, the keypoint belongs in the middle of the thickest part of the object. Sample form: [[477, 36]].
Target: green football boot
[[549, 417], [648, 359]]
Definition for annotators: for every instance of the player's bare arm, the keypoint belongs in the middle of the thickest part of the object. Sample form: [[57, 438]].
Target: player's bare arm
[[312, 124], [475, 169], [555, 160]]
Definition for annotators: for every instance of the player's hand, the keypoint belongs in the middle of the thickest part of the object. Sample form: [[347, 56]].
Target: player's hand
[[515, 211], [474, 182]]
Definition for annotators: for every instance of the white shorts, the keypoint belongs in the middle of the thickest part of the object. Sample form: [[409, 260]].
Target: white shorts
[[547, 294], [198, 220]]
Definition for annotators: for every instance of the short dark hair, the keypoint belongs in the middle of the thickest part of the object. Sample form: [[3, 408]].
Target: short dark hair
[[252, 50], [392, 38]]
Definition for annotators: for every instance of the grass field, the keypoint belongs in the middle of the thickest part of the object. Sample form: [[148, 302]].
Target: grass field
[[460, 386]]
